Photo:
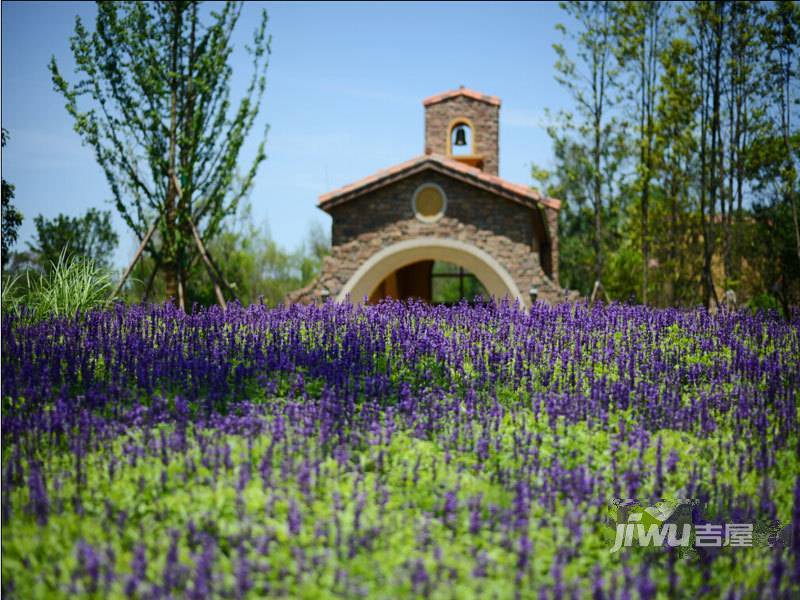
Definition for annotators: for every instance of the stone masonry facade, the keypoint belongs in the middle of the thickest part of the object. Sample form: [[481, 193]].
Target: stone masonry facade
[[510, 222], [512, 233]]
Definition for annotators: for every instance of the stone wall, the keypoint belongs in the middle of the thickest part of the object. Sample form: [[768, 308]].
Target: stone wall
[[552, 227], [485, 117], [465, 203], [505, 230]]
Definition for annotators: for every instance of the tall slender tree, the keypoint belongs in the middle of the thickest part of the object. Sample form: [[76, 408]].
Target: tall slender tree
[[743, 75], [639, 40], [774, 155], [707, 195], [590, 81], [11, 217], [707, 29], [782, 40], [674, 150], [153, 101]]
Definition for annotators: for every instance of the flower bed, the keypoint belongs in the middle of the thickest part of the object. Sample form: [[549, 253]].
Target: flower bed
[[393, 451]]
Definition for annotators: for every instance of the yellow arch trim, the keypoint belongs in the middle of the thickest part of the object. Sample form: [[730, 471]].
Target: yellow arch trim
[[453, 123], [494, 277]]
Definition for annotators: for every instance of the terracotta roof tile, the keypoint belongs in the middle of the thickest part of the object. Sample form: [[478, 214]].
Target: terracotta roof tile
[[517, 192], [462, 91]]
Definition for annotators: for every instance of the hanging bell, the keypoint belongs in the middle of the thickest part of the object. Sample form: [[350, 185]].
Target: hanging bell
[[461, 136]]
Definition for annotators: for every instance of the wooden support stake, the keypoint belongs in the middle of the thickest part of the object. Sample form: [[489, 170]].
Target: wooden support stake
[[215, 266], [594, 291], [209, 265], [199, 243], [213, 270], [181, 300], [149, 287], [136, 256], [597, 288]]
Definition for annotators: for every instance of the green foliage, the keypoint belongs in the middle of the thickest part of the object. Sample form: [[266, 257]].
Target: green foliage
[[764, 301], [623, 281], [158, 497], [772, 253], [316, 247], [11, 217], [10, 292], [571, 180], [153, 101], [251, 261], [697, 145], [515, 462], [576, 255], [258, 268], [587, 141], [70, 285], [90, 236]]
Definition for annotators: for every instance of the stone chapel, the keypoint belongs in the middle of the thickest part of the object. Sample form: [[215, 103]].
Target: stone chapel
[[442, 225]]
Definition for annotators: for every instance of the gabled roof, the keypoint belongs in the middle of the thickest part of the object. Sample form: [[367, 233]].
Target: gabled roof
[[520, 194], [462, 91]]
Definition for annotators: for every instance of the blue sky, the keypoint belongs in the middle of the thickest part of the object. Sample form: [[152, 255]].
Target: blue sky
[[344, 98]]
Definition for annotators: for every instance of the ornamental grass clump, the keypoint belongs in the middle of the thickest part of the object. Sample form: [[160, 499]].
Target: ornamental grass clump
[[69, 286]]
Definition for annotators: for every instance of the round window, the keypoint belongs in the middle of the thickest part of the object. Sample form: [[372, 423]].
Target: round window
[[429, 202]]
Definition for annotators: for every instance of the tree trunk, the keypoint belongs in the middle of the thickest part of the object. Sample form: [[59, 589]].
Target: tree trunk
[[716, 136], [704, 91], [650, 45], [786, 129], [598, 204], [726, 194], [674, 250], [171, 274], [187, 156], [599, 57], [741, 149], [645, 196]]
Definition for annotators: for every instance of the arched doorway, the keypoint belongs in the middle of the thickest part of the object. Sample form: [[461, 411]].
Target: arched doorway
[[432, 281], [417, 253]]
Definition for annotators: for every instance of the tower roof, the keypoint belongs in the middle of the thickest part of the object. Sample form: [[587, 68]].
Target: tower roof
[[462, 91]]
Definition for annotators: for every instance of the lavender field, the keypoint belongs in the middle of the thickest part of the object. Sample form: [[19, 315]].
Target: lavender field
[[393, 451]]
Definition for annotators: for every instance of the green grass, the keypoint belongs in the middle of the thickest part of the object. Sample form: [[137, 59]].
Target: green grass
[[71, 285]]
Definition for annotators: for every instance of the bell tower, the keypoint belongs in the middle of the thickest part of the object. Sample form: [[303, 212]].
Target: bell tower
[[464, 125]]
